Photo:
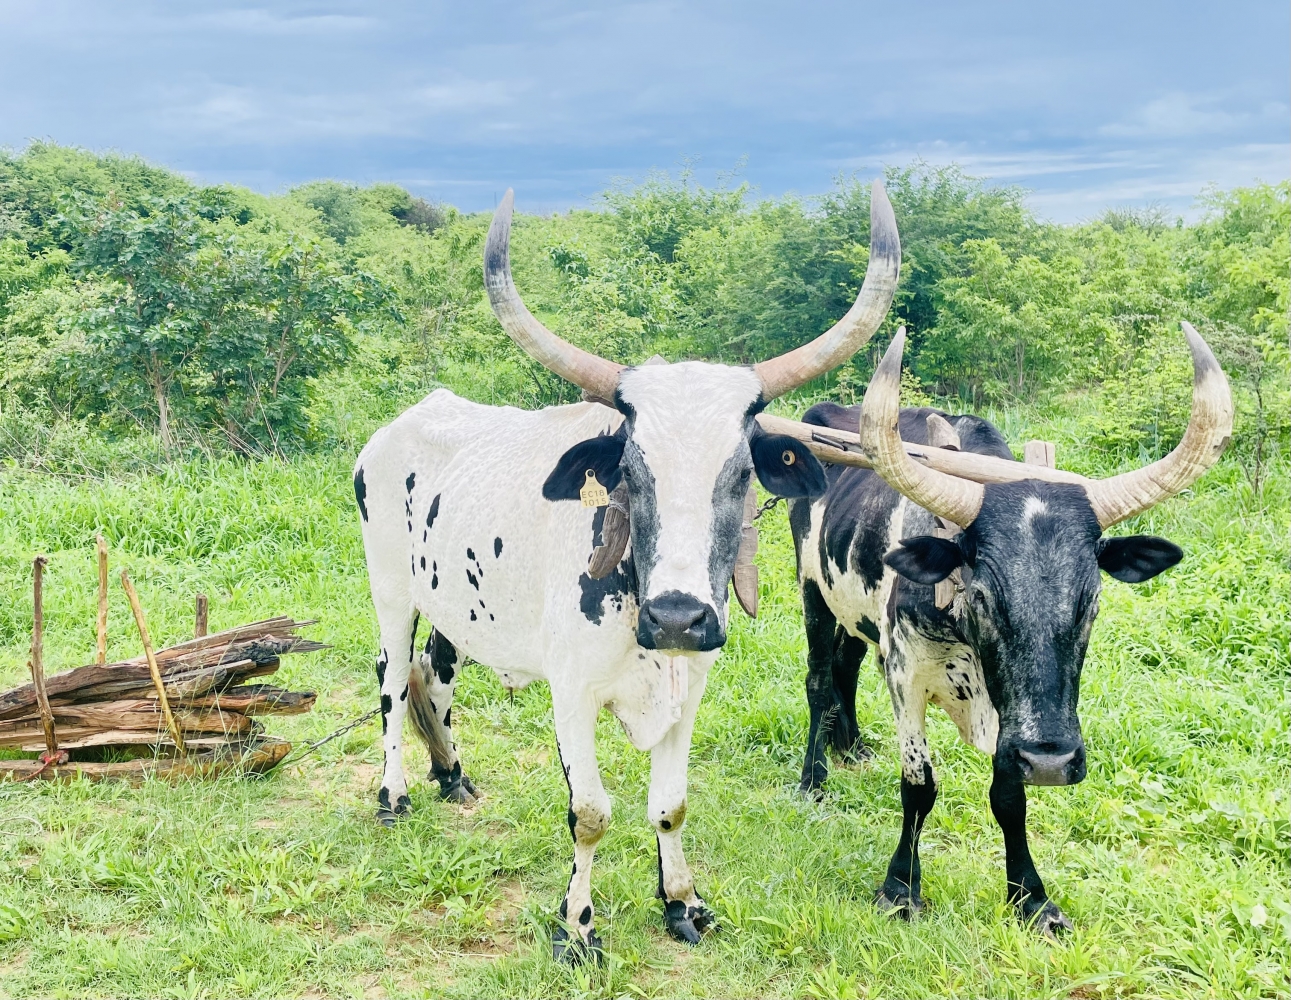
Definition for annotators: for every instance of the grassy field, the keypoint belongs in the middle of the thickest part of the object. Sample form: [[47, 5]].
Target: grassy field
[[1173, 858]]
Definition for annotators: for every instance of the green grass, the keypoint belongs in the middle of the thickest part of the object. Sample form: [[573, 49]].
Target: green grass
[[1166, 857]]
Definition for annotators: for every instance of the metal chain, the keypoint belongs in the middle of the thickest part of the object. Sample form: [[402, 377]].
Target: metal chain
[[766, 506], [311, 747]]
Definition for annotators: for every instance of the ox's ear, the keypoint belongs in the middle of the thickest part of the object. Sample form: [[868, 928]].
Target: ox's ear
[[925, 558], [1136, 558], [785, 467], [600, 454]]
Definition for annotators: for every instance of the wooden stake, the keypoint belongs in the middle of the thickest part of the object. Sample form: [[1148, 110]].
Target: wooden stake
[[199, 617], [101, 650], [1039, 453], [153, 669], [37, 660]]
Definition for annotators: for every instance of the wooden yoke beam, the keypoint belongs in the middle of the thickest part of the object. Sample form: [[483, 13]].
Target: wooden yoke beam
[[844, 448]]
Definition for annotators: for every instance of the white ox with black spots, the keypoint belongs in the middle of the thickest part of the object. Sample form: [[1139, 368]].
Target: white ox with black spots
[[467, 519], [1001, 651]]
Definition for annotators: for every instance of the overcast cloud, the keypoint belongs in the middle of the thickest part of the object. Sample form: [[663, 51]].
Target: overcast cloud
[[1085, 105]]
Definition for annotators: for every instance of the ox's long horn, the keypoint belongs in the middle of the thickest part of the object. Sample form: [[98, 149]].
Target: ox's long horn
[[954, 499], [598, 376], [1209, 428], [853, 331]]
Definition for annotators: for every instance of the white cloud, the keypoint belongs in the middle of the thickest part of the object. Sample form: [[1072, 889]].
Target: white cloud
[[1179, 115]]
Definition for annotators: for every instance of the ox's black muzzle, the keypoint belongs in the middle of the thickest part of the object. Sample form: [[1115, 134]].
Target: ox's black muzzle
[[1050, 763], [674, 620]]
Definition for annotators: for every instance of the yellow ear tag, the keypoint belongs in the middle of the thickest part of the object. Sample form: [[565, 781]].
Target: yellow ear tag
[[593, 494]]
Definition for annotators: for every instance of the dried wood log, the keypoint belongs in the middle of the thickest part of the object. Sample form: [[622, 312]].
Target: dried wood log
[[256, 759], [258, 699], [260, 642]]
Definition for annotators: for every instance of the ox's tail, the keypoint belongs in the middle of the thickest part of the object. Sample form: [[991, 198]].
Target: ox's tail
[[427, 717]]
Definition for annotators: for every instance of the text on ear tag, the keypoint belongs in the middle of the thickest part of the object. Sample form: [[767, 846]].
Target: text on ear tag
[[593, 494]]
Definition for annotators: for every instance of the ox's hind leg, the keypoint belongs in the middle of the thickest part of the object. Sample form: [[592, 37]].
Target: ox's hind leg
[[398, 637], [575, 941], [685, 914], [430, 705], [901, 889], [1026, 890], [845, 732]]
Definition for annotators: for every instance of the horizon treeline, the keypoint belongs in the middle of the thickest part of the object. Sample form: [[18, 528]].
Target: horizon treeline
[[136, 303]]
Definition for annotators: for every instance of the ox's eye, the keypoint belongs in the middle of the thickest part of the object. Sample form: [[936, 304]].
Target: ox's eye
[[788, 457], [745, 476]]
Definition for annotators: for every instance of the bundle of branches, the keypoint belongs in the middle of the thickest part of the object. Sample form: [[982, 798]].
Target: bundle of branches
[[116, 704]]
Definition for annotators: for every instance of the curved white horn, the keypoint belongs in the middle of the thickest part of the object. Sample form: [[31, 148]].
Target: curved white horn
[[598, 376], [953, 499], [1209, 428], [853, 331]]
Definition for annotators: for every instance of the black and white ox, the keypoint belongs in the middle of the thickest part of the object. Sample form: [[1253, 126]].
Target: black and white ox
[[1001, 651], [467, 520]]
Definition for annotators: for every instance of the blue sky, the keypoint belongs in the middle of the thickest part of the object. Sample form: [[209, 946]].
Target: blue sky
[[1086, 104]]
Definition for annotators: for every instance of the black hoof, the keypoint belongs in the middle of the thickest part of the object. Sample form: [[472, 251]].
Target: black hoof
[[812, 788], [1045, 919], [688, 924], [389, 817], [858, 753], [458, 794], [575, 951], [899, 903], [454, 786]]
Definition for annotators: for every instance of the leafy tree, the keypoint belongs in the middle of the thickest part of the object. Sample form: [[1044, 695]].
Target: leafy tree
[[161, 306]]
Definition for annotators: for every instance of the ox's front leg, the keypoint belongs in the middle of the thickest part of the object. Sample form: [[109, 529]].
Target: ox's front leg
[[901, 889], [1026, 890], [398, 635], [576, 941], [685, 914], [821, 697]]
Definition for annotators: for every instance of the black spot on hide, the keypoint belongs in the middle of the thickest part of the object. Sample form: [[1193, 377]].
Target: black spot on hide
[[443, 656], [585, 917], [613, 588], [361, 493], [470, 578], [423, 563], [497, 548], [868, 629], [410, 481], [572, 820], [382, 660], [433, 512], [403, 695], [383, 797], [473, 618], [666, 824], [470, 554], [434, 581]]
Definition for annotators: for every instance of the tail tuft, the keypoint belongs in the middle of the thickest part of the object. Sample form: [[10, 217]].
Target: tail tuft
[[423, 712]]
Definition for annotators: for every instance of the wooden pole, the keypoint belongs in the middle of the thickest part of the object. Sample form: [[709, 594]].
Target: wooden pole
[[153, 669], [199, 616], [844, 448], [101, 649], [1039, 453], [38, 658]]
